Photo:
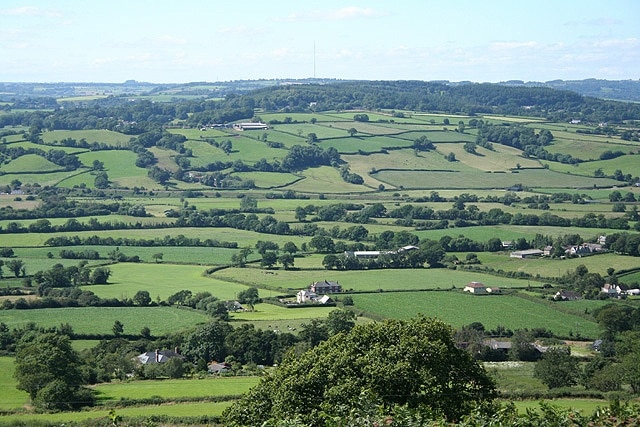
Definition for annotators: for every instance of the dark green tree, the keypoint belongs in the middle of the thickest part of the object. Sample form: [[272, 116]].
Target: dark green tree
[[340, 321], [118, 328], [269, 259], [250, 297], [142, 298], [207, 342], [411, 364], [49, 369], [557, 368]]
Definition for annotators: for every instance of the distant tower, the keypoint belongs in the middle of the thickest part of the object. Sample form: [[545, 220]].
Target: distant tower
[[314, 59]]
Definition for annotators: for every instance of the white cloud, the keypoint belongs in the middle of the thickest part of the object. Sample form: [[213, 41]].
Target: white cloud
[[167, 39], [502, 46], [31, 11], [345, 13]]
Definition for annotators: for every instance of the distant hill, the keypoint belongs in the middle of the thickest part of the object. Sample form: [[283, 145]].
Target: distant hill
[[620, 90]]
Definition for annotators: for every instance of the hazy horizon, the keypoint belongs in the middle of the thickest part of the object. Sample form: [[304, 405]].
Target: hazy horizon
[[199, 41]]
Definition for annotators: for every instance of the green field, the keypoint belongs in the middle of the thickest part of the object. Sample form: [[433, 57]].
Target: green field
[[10, 396], [169, 389], [99, 320], [472, 180], [108, 137], [30, 163], [368, 280], [460, 309], [162, 280]]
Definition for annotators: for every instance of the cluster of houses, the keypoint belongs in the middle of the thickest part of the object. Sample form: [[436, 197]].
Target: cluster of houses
[[574, 250], [163, 356], [318, 292], [614, 291]]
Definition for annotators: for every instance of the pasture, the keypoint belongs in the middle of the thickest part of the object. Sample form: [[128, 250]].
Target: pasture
[[478, 180], [458, 309], [99, 320], [162, 281], [375, 281], [180, 388], [30, 163], [10, 396], [114, 139], [184, 409]]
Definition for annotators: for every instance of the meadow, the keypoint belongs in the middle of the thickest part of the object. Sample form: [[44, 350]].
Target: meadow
[[460, 309], [100, 320], [384, 280], [162, 281]]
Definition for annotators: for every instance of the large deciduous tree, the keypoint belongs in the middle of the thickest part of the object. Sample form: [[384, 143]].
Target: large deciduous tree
[[48, 368], [395, 363]]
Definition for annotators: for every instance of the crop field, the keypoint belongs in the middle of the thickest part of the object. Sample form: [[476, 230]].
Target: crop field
[[460, 309], [500, 159], [99, 320]]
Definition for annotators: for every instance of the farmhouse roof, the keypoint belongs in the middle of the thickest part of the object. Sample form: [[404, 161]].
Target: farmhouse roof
[[475, 285], [158, 356]]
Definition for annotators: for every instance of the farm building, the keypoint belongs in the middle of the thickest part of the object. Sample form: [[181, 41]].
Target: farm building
[[614, 290], [362, 254], [566, 296], [584, 249], [376, 254], [529, 253], [306, 296], [158, 356], [325, 287], [250, 126], [218, 368], [475, 288]]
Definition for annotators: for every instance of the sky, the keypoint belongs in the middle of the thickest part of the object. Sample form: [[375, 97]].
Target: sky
[[163, 41]]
